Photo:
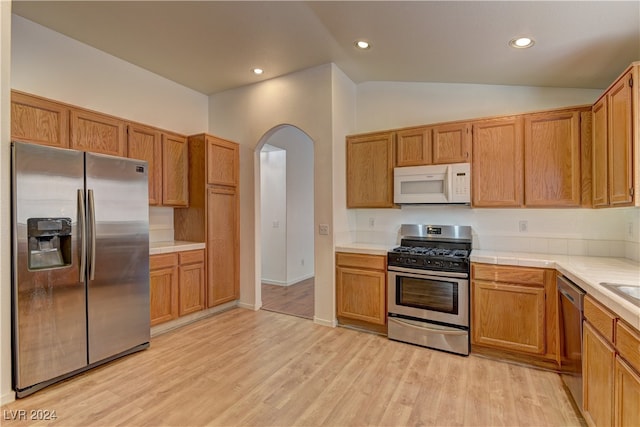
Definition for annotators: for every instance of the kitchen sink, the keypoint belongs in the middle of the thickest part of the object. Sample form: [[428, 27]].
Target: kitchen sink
[[628, 292]]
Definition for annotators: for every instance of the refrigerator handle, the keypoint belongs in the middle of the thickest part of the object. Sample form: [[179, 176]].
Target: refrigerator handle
[[83, 235], [92, 226]]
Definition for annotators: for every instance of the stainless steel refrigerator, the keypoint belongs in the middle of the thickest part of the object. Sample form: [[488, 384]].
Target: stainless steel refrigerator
[[80, 262]]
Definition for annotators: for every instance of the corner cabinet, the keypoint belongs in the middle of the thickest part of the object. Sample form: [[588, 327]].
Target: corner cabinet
[[213, 215], [370, 163], [361, 290], [610, 368], [514, 311]]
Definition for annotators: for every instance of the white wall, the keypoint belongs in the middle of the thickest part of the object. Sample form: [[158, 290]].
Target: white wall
[[46, 63], [273, 203], [6, 394], [248, 115], [632, 233], [55, 66]]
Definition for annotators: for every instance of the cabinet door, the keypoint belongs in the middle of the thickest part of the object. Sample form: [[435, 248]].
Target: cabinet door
[[552, 159], [144, 143], [413, 147], [452, 143], [191, 295], [222, 162], [600, 157], [508, 316], [163, 288], [39, 121], [627, 395], [361, 295], [97, 133], [620, 143], [497, 163], [597, 375], [370, 162], [222, 246], [175, 167]]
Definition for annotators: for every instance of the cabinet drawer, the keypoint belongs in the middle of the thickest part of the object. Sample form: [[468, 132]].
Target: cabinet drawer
[[191, 257], [375, 262], [628, 344], [528, 276], [163, 261], [599, 317]]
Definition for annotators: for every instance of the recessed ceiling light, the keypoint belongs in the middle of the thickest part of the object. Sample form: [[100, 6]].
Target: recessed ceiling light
[[521, 42], [257, 71], [362, 44]]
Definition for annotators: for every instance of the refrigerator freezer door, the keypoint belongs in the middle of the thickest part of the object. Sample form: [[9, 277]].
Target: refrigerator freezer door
[[118, 249], [48, 296]]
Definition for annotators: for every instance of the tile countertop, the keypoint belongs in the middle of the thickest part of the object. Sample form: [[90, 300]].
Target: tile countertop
[[587, 272], [156, 248], [364, 248]]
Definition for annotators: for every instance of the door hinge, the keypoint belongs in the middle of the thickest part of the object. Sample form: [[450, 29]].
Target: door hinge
[[631, 191], [631, 81]]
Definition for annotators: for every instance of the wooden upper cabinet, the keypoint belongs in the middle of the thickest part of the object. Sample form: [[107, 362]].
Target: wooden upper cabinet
[[497, 163], [39, 121], [600, 153], [452, 143], [413, 147], [552, 159], [620, 155], [145, 143], [97, 133], [175, 167], [222, 161], [370, 162]]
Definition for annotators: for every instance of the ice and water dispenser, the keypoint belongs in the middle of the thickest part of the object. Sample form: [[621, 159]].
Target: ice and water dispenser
[[49, 242]]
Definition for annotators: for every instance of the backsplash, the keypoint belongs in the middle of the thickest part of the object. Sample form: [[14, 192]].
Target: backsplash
[[593, 232], [160, 224]]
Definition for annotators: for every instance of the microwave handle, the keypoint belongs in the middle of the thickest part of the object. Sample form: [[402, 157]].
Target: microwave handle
[[448, 190]]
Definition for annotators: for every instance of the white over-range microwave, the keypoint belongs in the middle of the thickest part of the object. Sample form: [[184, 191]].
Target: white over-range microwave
[[437, 184]]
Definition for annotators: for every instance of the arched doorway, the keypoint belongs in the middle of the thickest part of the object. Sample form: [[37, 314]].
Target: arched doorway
[[286, 218]]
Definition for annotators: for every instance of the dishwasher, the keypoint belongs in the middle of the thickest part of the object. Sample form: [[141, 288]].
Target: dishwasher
[[570, 303]]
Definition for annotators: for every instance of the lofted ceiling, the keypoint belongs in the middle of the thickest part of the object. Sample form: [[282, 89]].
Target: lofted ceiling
[[211, 46]]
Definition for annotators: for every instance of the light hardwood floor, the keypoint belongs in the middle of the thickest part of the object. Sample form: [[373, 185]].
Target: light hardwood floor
[[297, 299], [264, 369]]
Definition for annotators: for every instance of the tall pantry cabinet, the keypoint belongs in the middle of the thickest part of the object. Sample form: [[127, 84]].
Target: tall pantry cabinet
[[213, 215]]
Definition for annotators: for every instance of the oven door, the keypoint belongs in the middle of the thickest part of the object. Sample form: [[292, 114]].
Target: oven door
[[427, 295]]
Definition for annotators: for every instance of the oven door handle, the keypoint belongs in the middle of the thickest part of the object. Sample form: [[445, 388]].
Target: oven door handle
[[455, 332], [412, 272]]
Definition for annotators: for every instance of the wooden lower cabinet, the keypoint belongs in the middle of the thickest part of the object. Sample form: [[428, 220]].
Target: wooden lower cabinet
[[163, 287], [610, 368], [176, 283], [361, 290], [191, 297], [598, 358], [514, 313], [626, 395]]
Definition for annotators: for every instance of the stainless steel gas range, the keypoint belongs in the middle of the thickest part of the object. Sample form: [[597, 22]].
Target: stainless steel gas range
[[428, 278]]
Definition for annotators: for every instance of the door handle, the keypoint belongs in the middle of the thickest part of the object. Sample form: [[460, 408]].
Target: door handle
[[83, 235], [92, 226]]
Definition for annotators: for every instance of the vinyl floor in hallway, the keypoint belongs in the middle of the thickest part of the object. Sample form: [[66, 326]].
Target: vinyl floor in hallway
[[259, 368], [296, 299]]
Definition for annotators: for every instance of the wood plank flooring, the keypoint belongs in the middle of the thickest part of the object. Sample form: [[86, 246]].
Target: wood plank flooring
[[246, 368], [297, 299]]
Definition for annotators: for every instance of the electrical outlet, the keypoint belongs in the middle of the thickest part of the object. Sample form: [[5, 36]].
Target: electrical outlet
[[523, 226], [323, 229], [302, 261], [372, 222], [630, 229]]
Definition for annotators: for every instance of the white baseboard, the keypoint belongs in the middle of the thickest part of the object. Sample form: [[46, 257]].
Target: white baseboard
[[7, 397], [324, 322], [288, 282], [254, 307]]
